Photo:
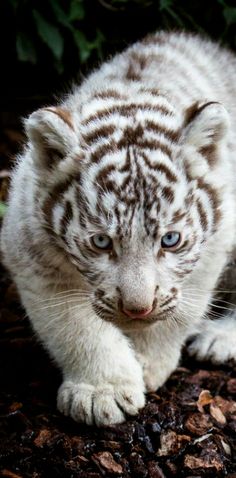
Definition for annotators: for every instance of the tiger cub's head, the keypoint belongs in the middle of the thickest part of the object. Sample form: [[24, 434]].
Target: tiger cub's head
[[130, 201]]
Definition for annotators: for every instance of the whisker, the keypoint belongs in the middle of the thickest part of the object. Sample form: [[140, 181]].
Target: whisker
[[221, 307], [213, 291], [59, 304], [214, 299], [57, 316], [65, 294], [194, 302], [73, 315]]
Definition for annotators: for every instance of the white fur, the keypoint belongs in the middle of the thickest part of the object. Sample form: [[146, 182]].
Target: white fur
[[216, 340], [212, 120], [108, 366]]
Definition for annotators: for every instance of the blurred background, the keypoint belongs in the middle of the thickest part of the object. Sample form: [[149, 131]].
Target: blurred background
[[47, 44]]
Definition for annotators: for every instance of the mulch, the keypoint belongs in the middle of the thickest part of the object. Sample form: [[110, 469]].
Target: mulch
[[187, 428]]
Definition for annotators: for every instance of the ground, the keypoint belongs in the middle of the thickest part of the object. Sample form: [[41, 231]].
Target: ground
[[187, 429]]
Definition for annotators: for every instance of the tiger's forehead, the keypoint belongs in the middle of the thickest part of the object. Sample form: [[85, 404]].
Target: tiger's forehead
[[123, 126], [133, 168], [111, 120], [134, 187], [130, 142]]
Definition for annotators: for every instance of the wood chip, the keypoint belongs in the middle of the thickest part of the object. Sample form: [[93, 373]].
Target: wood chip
[[198, 423], [196, 463], [105, 460], [228, 407], [43, 437], [226, 447], [231, 386], [154, 470], [205, 398], [217, 414], [171, 443], [15, 406], [9, 474]]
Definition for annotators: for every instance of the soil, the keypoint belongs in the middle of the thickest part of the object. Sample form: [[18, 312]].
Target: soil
[[187, 428]]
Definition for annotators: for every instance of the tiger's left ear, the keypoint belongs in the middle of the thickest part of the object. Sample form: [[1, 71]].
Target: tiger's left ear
[[206, 124], [205, 128]]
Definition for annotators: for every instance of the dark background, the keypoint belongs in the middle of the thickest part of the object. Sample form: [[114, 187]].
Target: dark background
[[47, 44]]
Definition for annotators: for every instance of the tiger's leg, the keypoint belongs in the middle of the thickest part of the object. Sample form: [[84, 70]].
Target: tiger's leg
[[158, 349], [102, 380]]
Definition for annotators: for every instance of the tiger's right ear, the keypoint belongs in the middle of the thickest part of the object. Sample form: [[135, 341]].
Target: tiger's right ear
[[51, 131]]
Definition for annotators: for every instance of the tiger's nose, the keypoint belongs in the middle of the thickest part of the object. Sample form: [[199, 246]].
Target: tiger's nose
[[137, 313]]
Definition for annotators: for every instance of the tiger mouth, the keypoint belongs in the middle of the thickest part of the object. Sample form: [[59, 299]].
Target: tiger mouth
[[160, 316], [155, 316], [112, 313], [122, 319]]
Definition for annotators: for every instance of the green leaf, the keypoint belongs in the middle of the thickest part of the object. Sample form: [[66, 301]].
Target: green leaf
[[49, 35], [60, 14], [58, 65], [222, 2], [176, 17], [25, 48], [165, 4], [3, 209], [14, 4], [230, 15], [82, 44], [76, 11], [98, 42], [85, 46]]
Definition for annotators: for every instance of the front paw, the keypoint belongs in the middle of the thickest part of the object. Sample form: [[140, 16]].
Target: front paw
[[102, 405]]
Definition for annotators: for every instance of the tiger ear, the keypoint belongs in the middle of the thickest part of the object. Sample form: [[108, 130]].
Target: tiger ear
[[51, 132], [206, 126]]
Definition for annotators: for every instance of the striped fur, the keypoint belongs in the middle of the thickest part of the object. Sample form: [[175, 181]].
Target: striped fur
[[143, 147]]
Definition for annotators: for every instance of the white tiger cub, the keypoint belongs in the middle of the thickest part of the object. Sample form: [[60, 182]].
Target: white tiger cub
[[121, 219]]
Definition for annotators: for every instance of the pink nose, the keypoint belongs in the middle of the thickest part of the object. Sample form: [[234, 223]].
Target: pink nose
[[137, 314]]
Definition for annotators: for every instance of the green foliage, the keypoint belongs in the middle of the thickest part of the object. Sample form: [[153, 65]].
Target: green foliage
[[166, 4], [229, 15], [78, 31], [49, 34], [25, 48], [181, 14], [76, 11], [85, 47], [3, 209], [50, 23]]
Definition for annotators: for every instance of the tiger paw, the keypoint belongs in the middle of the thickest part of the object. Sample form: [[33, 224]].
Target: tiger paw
[[216, 341], [101, 405]]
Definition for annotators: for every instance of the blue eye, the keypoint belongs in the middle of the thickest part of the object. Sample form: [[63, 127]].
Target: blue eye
[[101, 241], [170, 240]]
